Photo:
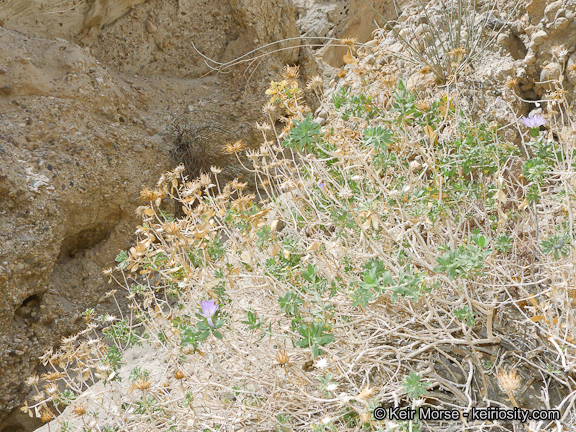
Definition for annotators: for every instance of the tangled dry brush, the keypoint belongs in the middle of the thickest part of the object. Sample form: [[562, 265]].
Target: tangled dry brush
[[399, 255]]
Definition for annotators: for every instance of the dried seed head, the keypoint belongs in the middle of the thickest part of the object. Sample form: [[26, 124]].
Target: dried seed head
[[314, 83], [46, 415], [508, 381], [147, 195], [269, 108], [204, 179], [143, 384], [512, 82], [32, 380], [291, 72], [263, 126], [458, 52], [422, 106], [79, 410], [51, 389], [52, 376], [234, 148], [349, 42], [366, 393], [282, 358], [425, 69]]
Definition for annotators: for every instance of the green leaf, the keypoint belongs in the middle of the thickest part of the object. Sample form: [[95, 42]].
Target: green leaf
[[377, 137], [413, 385], [303, 135]]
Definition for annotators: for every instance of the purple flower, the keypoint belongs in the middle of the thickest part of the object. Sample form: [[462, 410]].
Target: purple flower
[[209, 308], [322, 185], [533, 121]]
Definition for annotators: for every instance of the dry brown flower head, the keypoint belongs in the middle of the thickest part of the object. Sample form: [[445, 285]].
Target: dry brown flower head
[[389, 81], [51, 389], [172, 228], [282, 358], [512, 82], [204, 179], [349, 42], [32, 380], [238, 146], [79, 410], [143, 384], [148, 195], [508, 381], [46, 415], [270, 108], [242, 204], [263, 126], [426, 69], [422, 106], [291, 72], [458, 52], [366, 393], [238, 185], [51, 376], [314, 83]]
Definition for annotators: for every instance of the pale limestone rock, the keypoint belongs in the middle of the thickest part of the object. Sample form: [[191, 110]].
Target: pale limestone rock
[[421, 82], [561, 23], [551, 11], [539, 37], [551, 72]]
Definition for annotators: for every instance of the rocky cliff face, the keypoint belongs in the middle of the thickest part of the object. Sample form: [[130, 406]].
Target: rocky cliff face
[[75, 144]]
